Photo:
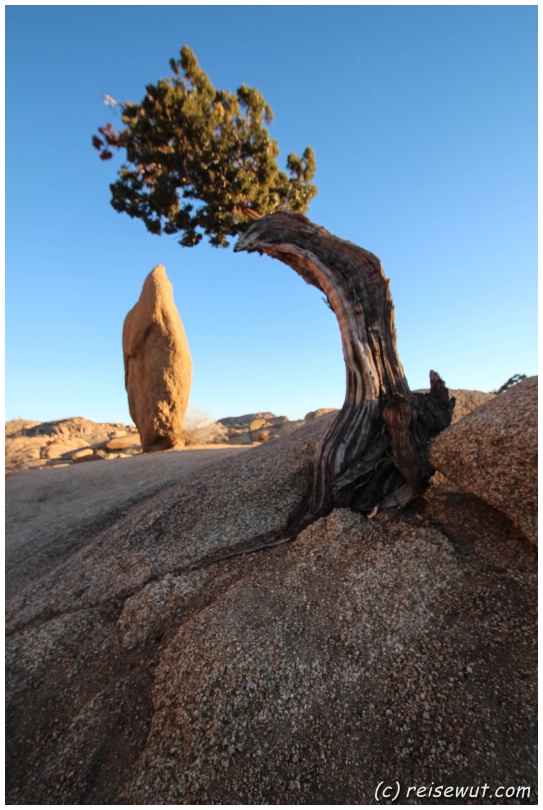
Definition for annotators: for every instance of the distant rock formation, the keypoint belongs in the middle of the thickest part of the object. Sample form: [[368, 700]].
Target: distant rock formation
[[253, 428], [158, 365], [319, 412], [243, 422], [492, 453], [66, 429], [32, 445]]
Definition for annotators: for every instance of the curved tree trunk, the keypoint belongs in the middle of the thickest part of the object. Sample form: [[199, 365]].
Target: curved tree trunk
[[375, 453]]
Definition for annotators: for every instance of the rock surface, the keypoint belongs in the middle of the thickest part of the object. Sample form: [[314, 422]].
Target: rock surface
[[50, 511], [351, 659], [492, 453], [146, 664], [121, 443], [158, 365]]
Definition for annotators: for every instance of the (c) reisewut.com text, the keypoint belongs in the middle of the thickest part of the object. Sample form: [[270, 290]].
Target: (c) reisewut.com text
[[393, 791]]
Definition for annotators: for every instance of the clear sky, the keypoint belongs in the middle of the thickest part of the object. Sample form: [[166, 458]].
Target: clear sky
[[424, 124]]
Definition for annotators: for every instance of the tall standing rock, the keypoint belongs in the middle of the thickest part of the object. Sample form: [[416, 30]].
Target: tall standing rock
[[158, 365]]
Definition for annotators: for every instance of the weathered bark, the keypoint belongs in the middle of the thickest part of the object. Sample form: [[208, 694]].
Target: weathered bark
[[375, 453]]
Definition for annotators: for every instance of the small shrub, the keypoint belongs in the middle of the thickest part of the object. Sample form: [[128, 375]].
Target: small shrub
[[201, 429], [516, 378]]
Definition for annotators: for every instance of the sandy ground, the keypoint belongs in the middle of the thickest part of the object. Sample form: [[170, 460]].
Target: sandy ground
[[56, 504]]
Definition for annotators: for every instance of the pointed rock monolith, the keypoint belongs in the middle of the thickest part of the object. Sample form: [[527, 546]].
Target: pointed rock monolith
[[158, 365]]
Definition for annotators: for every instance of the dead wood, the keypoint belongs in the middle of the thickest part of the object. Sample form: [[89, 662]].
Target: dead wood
[[375, 453]]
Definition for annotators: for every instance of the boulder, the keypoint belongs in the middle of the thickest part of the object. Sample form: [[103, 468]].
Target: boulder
[[465, 402], [277, 431], [158, 365], [319, 412], [258, 429], [62, 447], [258, 424], [492, 452], [87, 457], [32, 464], [122, 442], [85, 451]]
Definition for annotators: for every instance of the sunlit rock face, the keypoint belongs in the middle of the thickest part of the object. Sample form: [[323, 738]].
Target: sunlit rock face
[[492, 453], [158, 365]]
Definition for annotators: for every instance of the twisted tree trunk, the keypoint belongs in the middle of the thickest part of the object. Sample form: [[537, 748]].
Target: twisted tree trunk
[[375, 453]]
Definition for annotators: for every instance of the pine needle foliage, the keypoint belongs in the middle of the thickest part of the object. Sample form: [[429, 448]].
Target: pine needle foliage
[[514, 380], [200, 161]]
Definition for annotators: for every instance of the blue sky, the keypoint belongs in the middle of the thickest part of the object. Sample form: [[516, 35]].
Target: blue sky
[[424, 124]]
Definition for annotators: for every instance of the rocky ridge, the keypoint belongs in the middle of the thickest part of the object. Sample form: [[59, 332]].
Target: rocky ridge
[[31, 445], [35, 445]]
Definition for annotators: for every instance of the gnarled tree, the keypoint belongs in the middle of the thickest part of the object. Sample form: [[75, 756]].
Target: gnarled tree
[[375, 453], [200, 161]]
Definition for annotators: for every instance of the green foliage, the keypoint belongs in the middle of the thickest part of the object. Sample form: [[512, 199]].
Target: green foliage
[[197, 158], [516, 378]]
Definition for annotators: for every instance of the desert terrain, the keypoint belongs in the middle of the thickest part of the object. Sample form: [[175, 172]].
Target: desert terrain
[[170, 641]]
